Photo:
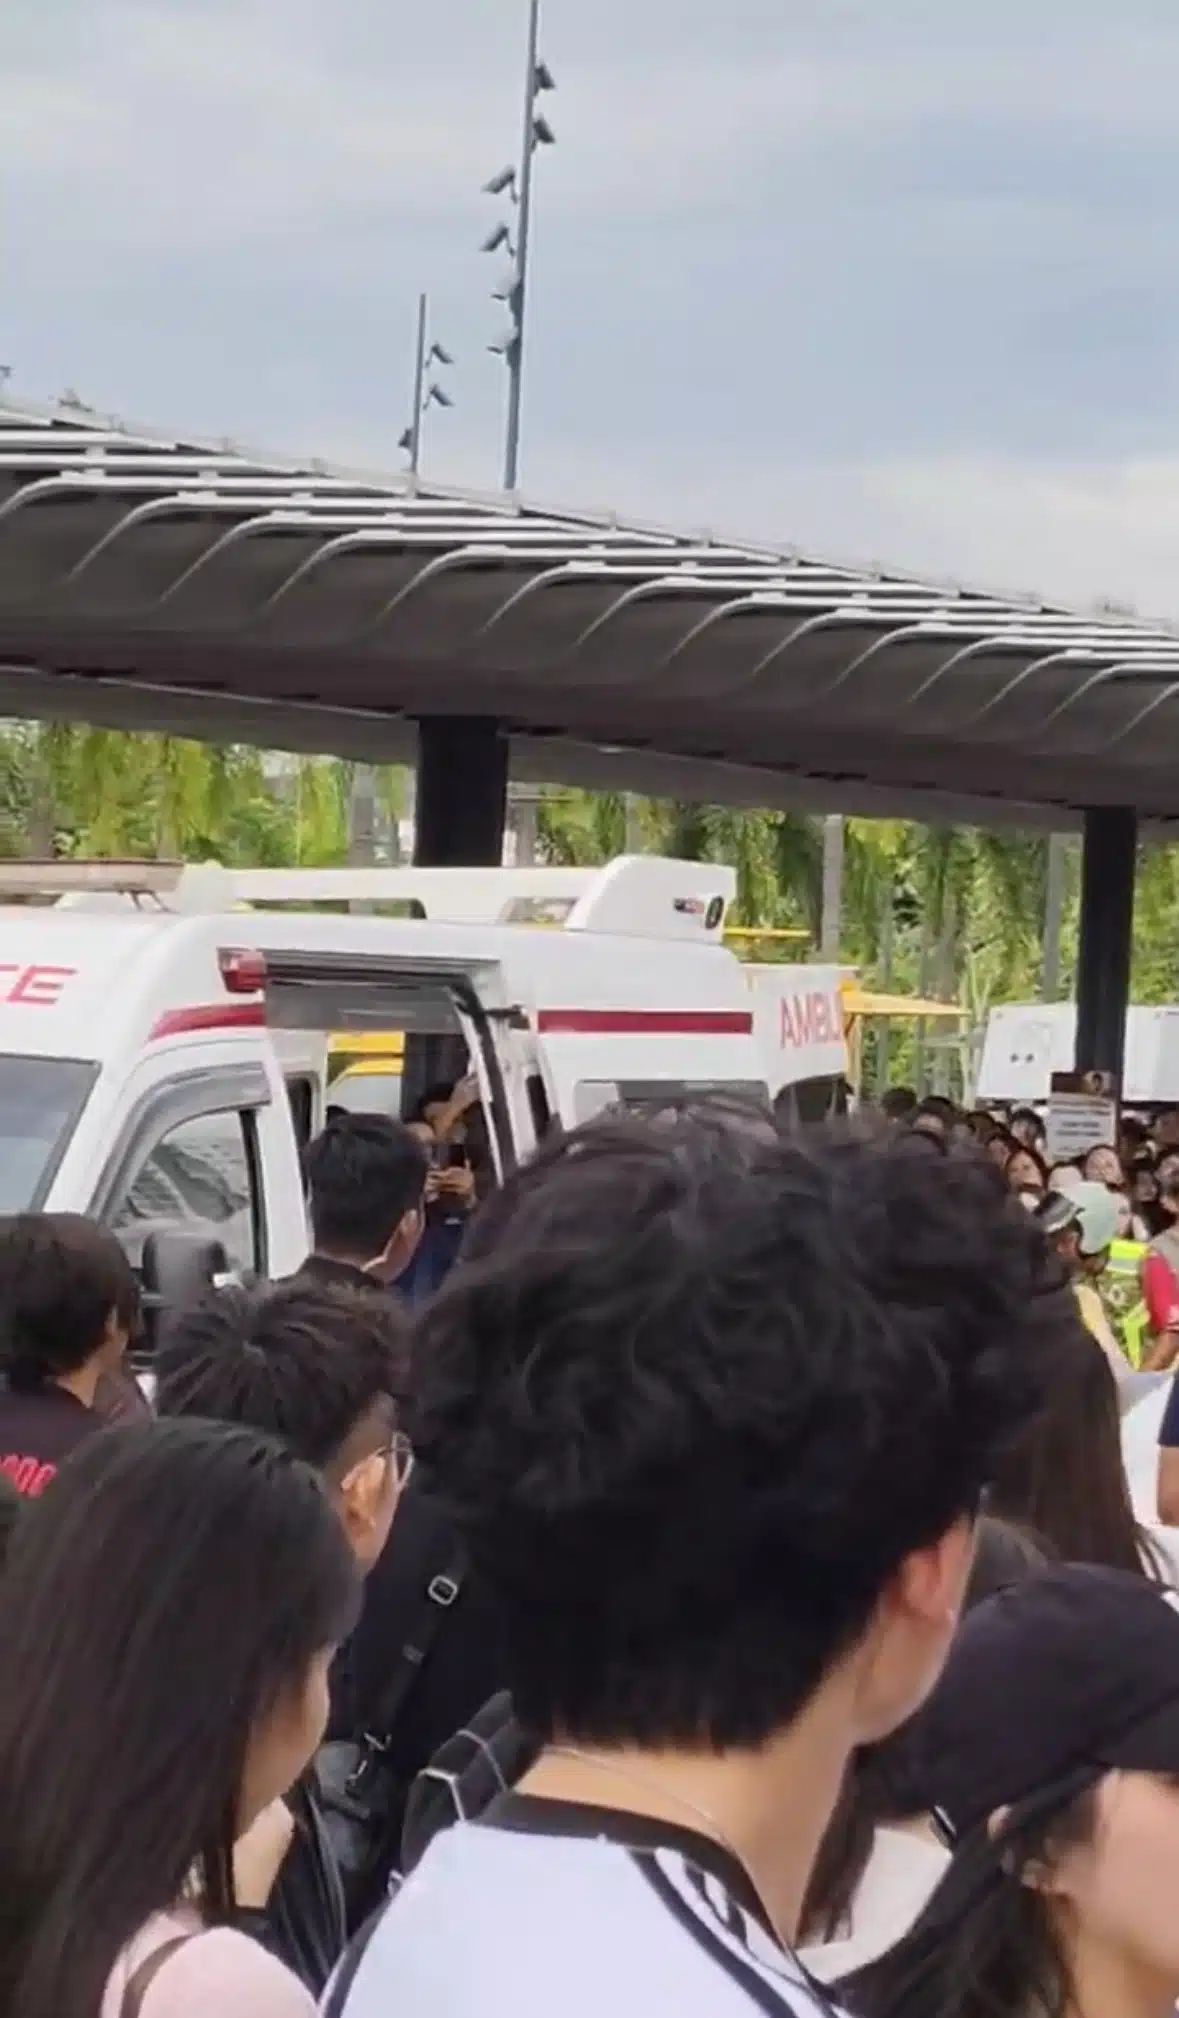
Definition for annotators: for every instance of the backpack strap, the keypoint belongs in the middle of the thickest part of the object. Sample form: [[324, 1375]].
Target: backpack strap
[[434, 1602], [141, 1981]]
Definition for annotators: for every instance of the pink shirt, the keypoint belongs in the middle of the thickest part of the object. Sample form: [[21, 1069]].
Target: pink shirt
[[218, 1971], [1161, 1291]]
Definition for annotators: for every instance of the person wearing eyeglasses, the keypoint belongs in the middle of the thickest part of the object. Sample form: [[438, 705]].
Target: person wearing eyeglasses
[[320, 1367], [321, 1364]]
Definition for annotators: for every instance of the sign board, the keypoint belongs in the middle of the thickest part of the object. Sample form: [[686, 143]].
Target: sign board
[[1082, 1114]]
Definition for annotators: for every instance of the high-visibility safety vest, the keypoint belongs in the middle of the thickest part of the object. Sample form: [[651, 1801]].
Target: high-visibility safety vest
[[1121, 1293]]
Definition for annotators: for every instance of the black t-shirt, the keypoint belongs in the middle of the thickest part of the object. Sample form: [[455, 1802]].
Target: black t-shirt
[[38, 1430]]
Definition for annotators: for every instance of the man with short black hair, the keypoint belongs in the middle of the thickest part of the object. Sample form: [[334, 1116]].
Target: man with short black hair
[[366, 1182], [320, 1367], [313, 1361], [315, 1364], [716, 1416], [898, 1103]]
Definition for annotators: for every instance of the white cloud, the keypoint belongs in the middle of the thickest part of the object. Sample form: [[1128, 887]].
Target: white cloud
[[146, 124], [208, 127]]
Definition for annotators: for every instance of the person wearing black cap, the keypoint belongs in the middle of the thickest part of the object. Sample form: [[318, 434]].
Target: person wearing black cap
[[1049, 1759]]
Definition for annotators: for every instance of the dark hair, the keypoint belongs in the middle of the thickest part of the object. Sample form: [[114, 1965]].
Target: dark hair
[[694, 1395], [898, 1103], [363, 1174], [10, 1507], [305, 1362], [437, 1095], [982, 1125], [986, 1942], [1017, 1148], [881, 1786], [1064, 1477], [62, 1277], [173, 1582], [935, 1107], [1029, 1115]]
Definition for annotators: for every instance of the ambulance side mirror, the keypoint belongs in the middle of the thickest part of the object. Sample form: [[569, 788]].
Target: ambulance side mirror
[[178, 1267]]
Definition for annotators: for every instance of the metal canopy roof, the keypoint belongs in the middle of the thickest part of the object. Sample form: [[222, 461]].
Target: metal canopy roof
[[199, 589]]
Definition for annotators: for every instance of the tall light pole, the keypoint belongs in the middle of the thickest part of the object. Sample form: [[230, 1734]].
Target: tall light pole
[[425, 395], [517, 183]]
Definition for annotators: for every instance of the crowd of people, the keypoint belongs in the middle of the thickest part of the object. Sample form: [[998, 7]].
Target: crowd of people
[[1117, 1205], [709, 1586]]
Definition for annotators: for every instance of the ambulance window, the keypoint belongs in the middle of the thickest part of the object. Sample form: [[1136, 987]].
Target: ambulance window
[[368, 1092], [40, 1101], [201, 1174]]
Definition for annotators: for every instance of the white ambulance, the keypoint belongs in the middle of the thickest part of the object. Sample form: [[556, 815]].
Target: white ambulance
[[159, 1025]]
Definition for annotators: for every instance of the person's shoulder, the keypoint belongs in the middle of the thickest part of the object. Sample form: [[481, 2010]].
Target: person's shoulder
[[532, 1907], [225, 1971]]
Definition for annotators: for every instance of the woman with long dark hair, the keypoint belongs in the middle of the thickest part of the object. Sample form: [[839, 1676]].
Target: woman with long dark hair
[[1050, 1758], [168, 1614], [1065, 1478], [880, 1858]]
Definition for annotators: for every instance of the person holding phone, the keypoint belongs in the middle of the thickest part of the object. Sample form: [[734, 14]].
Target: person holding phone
[[440, 1121]]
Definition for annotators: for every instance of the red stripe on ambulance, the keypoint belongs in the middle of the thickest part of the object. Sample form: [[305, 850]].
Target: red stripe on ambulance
[[209, 1016]]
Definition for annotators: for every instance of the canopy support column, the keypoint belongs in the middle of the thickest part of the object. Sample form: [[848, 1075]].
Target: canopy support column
[[461, 794], [1108, 861]]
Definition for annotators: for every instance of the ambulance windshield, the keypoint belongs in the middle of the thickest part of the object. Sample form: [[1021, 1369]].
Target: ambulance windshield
[[40, 1101]]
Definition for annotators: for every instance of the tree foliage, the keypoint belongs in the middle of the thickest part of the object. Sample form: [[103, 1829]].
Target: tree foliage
[[953, 912]]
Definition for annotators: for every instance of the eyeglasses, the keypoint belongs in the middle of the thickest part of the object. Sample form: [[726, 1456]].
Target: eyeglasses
[[399, 1453]]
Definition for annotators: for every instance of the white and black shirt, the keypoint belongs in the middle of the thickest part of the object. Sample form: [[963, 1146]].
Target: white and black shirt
[[550, 1907]]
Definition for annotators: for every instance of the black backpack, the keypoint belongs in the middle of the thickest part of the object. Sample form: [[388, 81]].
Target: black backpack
[[361, 1798], [466, 1774]]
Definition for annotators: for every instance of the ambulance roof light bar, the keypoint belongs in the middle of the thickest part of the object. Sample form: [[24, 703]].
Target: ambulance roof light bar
[[460, 896], [644, 896], [65, 878], [647, 896], [168, 885]]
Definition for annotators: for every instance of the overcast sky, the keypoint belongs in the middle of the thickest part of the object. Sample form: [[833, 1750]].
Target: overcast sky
[[887, 279]]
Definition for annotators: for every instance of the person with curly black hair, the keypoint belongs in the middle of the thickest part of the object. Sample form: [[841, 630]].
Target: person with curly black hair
[[716, 1414]]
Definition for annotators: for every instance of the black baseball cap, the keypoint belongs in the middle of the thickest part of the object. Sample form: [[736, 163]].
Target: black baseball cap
[[1073, 1668]]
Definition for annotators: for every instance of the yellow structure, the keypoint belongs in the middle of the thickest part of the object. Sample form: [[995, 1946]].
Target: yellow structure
[[860, 1004]]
